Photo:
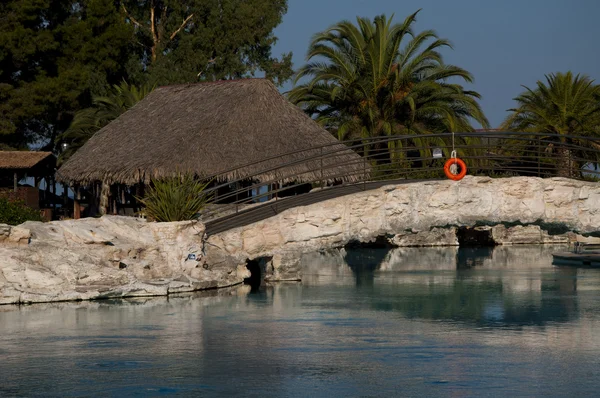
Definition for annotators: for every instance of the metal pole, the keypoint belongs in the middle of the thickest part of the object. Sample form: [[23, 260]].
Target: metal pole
[[364, 174], [539, 158], [76, 203], [487, 158]]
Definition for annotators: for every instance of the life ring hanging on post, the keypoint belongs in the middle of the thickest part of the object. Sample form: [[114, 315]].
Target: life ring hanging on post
[[456, 162]]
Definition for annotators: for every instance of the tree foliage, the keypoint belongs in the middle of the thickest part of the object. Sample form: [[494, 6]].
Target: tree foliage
[[57, 55], [376, 78], [567, 105], [103, 110], [208, 39], [15, 213], [53, 55]]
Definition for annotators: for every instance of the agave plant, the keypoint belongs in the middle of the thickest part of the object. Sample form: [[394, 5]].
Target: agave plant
[[175, 199]]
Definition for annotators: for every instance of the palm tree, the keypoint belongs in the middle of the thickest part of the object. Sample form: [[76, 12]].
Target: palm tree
[[377, 79], [104, 110], [566, 105]]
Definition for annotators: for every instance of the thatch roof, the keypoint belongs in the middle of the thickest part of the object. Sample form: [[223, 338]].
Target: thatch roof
[[23, 160], [208, 129]]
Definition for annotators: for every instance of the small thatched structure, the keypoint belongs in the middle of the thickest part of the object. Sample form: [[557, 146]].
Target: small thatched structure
[[25, 160], [15, 165], [222, 129]]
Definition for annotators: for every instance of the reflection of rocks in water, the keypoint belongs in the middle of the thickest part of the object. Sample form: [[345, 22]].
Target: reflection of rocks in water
[[206, 296], [361, 266], [326, 268], [420, 258], [364, 263], [501, 286], [419, 266], [522, 256], [514, 257], [527, 263], [472, 256], [342, 267], [567, 279]]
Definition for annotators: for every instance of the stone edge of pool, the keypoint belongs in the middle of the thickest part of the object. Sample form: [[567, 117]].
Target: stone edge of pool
[[118, 257]]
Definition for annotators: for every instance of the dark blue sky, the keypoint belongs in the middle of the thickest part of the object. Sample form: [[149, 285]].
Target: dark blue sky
[[503, 43]]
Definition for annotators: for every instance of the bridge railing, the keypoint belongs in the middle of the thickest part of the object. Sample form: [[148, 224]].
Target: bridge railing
[[402, 157]]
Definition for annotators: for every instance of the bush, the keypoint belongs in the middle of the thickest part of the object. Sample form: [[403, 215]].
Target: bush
[[15, 213], [174, 199]]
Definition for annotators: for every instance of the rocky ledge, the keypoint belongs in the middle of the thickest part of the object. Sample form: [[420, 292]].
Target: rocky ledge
[[515, 210], [105, 258], [127, 257]]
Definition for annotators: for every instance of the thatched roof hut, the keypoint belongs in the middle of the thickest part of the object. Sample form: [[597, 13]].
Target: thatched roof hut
[[25, 160], [15, 165], [225, 129]]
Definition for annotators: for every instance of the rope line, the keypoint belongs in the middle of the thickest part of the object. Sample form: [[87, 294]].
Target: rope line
[[454, 167], [453, 154]]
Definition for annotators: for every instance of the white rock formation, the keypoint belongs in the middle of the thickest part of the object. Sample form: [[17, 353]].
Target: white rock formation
[[526, 235], [434, 237], [107, 257], [119, 256], [403, 212]]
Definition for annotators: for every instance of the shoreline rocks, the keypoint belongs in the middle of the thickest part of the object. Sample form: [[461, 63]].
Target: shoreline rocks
[[424, 213], [116, 256], [108, 257]]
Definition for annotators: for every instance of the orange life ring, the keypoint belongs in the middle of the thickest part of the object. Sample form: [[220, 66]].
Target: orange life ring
[[460, 164]]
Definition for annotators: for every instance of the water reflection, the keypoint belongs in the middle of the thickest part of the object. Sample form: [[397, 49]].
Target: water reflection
[[409, 322], [497, 287]]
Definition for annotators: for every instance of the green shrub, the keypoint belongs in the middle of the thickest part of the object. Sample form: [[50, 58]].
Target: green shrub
[[174, 199], [15, 213]]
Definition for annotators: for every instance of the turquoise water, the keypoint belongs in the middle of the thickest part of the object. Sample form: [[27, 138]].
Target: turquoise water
[[410, 322]]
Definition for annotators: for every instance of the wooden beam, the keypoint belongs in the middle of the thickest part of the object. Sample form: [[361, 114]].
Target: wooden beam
[[76, 204], [51, 191]]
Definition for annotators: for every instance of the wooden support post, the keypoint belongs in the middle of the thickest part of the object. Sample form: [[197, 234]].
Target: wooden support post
[[65, 196], [50, 190], [76, 203], [16, 182], [104, 198], [48, 184], [139, 193]]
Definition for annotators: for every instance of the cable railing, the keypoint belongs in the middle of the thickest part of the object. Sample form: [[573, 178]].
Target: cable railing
[[370, 162]]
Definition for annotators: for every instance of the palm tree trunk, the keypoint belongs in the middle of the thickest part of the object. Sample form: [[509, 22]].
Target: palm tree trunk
[[104, 193], [564, 164]]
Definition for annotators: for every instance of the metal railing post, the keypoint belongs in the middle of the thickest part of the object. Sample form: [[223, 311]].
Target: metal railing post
[[539, 156], [487, 158], [364, 174]]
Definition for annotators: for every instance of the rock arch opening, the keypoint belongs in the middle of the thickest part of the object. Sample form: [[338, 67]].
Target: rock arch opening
[[258, 271]]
